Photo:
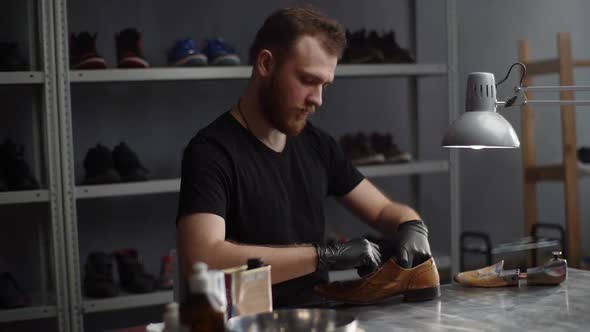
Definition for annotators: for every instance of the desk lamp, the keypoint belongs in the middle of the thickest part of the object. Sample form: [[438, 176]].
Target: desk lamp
[[481, 126]]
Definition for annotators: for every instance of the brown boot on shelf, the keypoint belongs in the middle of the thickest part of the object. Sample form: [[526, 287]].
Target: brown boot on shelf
[[419, 283]]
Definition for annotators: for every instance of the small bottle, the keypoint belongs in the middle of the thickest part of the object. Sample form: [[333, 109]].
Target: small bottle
[[200, 313], [171, 318]]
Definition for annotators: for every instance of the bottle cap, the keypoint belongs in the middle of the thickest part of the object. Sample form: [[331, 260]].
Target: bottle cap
[[254, 263]]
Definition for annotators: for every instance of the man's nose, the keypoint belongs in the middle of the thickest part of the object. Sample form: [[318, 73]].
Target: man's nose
[[315, 97]]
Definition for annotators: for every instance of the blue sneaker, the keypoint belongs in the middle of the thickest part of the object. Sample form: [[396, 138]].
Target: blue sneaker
[[220, 53], [186, 53]]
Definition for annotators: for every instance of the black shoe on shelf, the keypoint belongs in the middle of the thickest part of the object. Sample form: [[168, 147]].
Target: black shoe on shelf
[[10, 59], [16, 172], [127, 164], [83, 53], [384, 144], [129, 49], [358, 50], [132, 275], [11, 294], [391, 50], [584, 154], [3, 186], [99, 166], [98, 277]]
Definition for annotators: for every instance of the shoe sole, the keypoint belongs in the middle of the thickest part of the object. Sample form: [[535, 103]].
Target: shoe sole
[[424, 294], [190, 61], [414, 295], [372, 159], [133, 62], [91, 63], [401, 158], [226, 60]]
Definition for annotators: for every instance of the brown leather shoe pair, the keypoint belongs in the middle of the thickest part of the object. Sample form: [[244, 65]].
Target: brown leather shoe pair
[[419, 283]]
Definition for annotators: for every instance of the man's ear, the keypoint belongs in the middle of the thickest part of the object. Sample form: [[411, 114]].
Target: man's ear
[[265, 63]]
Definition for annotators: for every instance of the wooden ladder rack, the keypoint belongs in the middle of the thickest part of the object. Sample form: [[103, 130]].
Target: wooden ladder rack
[[567, 171]]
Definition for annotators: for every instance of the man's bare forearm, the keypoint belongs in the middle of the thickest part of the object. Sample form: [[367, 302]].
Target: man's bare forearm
[[287, 262]]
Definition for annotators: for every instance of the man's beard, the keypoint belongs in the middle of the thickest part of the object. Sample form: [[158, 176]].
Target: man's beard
[[276, 112]]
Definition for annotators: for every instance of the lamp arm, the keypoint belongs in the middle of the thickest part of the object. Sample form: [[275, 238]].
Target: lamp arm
[[519, 97], [550, 88]]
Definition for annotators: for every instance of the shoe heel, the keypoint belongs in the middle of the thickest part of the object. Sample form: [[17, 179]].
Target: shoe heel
[[423, 294]]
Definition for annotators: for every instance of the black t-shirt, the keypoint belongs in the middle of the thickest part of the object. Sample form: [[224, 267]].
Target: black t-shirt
[[266, 197]]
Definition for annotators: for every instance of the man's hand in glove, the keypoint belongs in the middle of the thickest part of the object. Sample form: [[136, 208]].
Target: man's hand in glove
[[412, 244], [352, 254]]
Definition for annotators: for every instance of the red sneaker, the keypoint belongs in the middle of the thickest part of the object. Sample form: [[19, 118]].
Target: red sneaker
[[129, 49]]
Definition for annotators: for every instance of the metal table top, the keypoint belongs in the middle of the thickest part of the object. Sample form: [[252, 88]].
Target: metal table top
[[536, 308]]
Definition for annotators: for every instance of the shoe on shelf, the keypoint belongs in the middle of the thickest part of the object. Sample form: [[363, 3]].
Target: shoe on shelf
[[384, 144], [420, 283], [17, 173], [186, 53], [83, 53], [584, 154], [166, 279], [358, 50], [127, 164], [3, 186], [132, 275], [99, 166], [392, 52], [11, 294], [10, 59], [358, 150], [99, 281], [130, 49], [220, 53]]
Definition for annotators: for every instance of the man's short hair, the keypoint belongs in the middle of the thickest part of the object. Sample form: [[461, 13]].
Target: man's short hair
[[283, 28]]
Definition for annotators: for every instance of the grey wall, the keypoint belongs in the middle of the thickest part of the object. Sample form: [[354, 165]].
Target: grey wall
[[492, 180]]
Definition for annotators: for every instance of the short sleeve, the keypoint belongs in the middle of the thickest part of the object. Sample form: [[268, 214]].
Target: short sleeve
[[205, 181], [343, 176]]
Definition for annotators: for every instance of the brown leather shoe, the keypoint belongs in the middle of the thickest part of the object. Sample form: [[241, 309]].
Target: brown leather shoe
[[420, 283]]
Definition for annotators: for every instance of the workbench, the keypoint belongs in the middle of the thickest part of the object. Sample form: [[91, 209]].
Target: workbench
[[565, 307]]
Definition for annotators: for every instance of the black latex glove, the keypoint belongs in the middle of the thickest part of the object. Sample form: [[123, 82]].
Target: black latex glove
[[412, 244], [352, 254]]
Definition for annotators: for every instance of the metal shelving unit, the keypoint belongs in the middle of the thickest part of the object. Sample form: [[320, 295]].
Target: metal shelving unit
[[26, 196], [127, 301], [52, 300], [413, 168], [22, 77], [78, 305], [126, 189], [31, 313], [244, 72], [173, 185]]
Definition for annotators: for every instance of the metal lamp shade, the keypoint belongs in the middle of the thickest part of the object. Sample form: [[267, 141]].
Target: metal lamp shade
[[481, 129], [480, 126]]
